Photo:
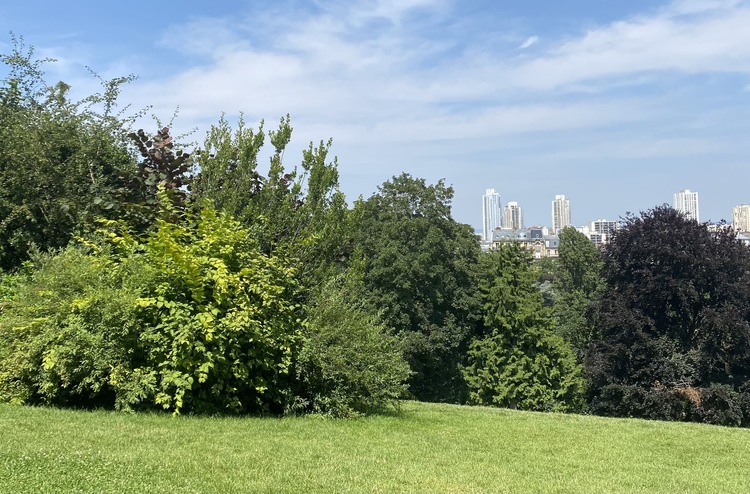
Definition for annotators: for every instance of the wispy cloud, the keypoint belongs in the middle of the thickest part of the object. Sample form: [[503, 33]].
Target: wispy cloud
[[403, 75], [530, 41]]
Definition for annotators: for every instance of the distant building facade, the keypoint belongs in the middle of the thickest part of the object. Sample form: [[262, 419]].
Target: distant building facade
[[686, 202], [513, 216], [535, 239], [741, 218], [600, 231], [491, 214], [560, 213]]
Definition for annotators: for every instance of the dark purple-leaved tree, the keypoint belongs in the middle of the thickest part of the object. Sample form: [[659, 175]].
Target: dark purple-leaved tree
[[674, 323]]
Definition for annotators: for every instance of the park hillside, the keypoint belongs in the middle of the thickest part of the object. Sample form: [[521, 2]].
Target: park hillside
[[140, 273]]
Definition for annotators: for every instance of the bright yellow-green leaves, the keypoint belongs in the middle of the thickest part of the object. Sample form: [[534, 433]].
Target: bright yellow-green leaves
[[191, 317]]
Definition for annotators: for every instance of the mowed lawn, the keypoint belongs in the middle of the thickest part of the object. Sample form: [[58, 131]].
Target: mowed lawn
[[426, 448]]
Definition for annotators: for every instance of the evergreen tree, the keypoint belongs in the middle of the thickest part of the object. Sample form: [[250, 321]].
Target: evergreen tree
[[519, 362]]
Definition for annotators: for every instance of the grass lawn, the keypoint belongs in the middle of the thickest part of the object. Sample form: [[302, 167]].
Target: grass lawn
[[426, 448]]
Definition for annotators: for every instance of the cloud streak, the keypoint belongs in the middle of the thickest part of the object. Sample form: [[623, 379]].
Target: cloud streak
[[397, 72]]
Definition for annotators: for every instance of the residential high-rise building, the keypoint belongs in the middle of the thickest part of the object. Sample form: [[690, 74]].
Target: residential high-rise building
[[605, 227], [741, 218], [600, 231], [491, 214], [560, 213], [686, 202], [513, 216]]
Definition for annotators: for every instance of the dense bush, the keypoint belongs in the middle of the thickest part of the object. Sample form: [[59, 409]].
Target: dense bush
[[191, 318], [349, 363], [58, 156]]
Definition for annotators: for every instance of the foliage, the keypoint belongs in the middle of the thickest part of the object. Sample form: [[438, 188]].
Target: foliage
[[420, 270], [57, 156], [519, 362], [162, 168], [67, 326], [191, 318], [674, 316], [578, 283], [349, 363], [300, 214]]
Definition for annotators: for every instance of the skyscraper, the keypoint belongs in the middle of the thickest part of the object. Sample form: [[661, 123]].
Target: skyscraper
[[491, 217], [560, 213], [686, 202], [513, 216], [741, 218]]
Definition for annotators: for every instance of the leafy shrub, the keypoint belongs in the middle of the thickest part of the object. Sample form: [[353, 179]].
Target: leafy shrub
[[659, 403], [349, 363], [191, 318], [66, 327], [720, 404]]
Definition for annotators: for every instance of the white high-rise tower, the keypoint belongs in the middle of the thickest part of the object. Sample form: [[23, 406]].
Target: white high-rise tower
[[741, 218], [686, 202], [491, 215], [560, 213]]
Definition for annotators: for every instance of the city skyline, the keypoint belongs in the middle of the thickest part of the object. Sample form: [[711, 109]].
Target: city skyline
[[686, 200], [618, 104]]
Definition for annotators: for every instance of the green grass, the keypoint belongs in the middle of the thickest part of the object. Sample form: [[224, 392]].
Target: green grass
[[427, 448]]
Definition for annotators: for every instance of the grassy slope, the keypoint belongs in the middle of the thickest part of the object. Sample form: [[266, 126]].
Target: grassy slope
[[428, 448]]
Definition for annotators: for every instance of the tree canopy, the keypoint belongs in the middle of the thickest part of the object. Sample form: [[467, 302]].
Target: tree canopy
[[577, 284], [420, 269], [58, 157], [674, 319]]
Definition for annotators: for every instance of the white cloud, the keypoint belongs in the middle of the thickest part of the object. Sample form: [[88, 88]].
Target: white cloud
[[530, 41], [326, 67], [719, 42], [396, 92]]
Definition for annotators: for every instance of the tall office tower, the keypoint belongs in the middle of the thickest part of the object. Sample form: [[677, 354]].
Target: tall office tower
[[741, 218], [560, 213], [686, 202], [513, 216], [491, 216]]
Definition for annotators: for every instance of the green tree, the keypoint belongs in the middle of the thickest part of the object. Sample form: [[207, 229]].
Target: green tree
[[519, 362], [298, 213], [420, 272], [577, 284], [57, 157], [674, 320]]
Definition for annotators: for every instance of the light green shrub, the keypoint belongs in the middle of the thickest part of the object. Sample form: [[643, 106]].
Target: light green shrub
[[349, 363], [191, 318]]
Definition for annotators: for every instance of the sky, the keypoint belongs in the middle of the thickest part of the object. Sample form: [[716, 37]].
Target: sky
[[617, 105]]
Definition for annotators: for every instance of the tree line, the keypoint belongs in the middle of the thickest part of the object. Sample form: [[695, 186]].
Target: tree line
[[139, 274]]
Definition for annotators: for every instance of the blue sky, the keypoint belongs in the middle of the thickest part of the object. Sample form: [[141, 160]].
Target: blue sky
[[616, 104]]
